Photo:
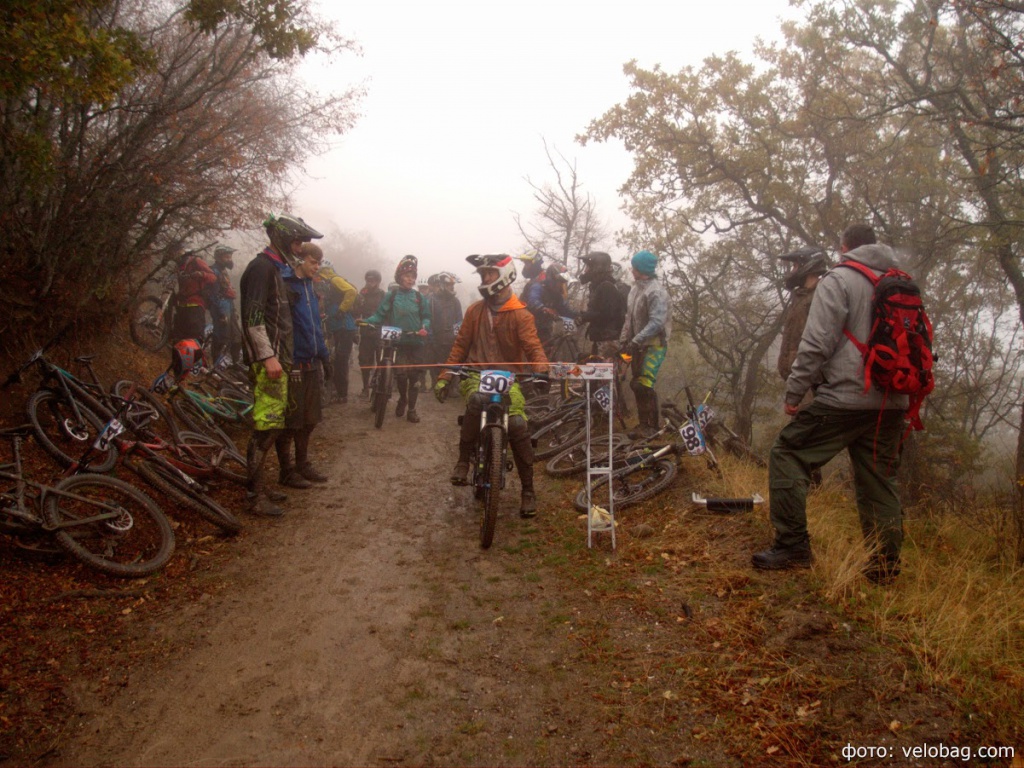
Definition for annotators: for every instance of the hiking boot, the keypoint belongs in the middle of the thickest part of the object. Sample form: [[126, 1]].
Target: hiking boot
[[783, 558], [882, 571], [528, 504], [293, 479], [459, 472], [413, 417], [400, 408], [309, 473], [261, 506]]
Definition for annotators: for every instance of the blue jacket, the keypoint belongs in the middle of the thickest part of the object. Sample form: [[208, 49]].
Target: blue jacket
[[307, 330]]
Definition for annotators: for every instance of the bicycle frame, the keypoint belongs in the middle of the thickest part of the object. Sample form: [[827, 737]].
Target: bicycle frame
[[27, 521]]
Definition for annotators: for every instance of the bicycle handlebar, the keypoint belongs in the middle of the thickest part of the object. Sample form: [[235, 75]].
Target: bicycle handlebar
[[15, 377]]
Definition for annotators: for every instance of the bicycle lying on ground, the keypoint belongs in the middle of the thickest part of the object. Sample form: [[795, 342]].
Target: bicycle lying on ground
[[151, 317], [104, 522]]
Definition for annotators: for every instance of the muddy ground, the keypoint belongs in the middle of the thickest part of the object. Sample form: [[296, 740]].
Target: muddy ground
[[367, 627]]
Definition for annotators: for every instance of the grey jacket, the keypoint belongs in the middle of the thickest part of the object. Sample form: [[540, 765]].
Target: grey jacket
[[826, 359], [648, 314]]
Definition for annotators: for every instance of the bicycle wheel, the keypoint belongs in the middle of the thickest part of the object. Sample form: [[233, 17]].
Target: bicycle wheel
[[136, 540], [169, 482], [65, 436], [493, 473], [148, 325], [573, 459], [194, 419], [559, 435], [382, 395], [214, 455], [631, 485]]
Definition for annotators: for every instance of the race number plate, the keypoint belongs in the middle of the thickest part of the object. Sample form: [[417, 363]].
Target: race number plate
[[568, 325], [112, 430], [390, 333], [495, 382], [603, 397], [693, 431]]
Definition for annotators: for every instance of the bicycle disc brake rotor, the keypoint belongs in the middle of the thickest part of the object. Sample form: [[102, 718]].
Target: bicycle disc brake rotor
[[79, 432], [120, 524]]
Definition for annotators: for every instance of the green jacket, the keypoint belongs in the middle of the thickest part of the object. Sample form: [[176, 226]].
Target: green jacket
[[408, 310]]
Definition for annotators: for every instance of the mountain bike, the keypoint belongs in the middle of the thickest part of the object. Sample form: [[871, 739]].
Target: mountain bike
[[492, 459], [173, 468], [152, 317], [104, 522], [382, 378], [563, 347], [643, 469], [68, 413]]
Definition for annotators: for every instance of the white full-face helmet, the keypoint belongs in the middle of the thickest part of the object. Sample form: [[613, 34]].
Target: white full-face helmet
[[502, 262]]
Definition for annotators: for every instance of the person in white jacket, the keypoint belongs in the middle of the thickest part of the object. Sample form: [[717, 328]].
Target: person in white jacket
[[867, 424]]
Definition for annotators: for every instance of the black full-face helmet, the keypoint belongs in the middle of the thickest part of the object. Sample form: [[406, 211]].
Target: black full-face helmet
[[284, 229], [803, 262], [595, 264]]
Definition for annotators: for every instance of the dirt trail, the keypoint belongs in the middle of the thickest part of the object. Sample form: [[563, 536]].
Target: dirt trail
[[366, 627]]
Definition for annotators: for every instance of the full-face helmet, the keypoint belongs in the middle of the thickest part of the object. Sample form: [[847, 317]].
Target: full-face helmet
[[408, 265], [595, 264], [502, 262], [187, 357], [803, 262], [284, 229]]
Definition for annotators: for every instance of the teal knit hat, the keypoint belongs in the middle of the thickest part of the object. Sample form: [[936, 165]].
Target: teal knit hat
[[644, 262]]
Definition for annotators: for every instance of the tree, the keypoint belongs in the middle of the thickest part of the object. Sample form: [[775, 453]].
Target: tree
[[104, 174], [736, 163], [565, 223]]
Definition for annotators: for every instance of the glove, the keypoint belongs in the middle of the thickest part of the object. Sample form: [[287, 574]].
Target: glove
[[441, 390], [328, 369], [629, 348]]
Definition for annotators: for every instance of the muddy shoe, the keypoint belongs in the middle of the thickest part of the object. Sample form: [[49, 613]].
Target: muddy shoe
[[413, 417], [528, 504], [276, 496], [261, 506], [308, 472], [782, 558], [400, 409], [459, 472], [293, 479], [882, 571]]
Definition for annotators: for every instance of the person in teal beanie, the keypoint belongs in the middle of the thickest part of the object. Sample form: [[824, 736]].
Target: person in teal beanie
[[644, 337], [406, 308]]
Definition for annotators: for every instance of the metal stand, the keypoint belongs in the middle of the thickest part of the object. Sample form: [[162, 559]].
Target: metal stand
[[599, 520]]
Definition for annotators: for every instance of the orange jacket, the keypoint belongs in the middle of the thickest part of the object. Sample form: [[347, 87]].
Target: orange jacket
[[515, 331]]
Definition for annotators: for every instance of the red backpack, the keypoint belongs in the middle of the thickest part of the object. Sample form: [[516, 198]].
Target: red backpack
[[898, 353]]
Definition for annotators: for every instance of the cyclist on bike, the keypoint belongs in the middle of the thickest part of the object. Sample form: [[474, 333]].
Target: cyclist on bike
[[268, 339], [446, 312], [408, 309], [367, 301], [606, 307], [644, 337], [498, 331], [194, 278]]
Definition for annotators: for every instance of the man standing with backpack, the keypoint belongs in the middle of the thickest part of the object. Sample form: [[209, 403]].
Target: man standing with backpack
[[867, 422]]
